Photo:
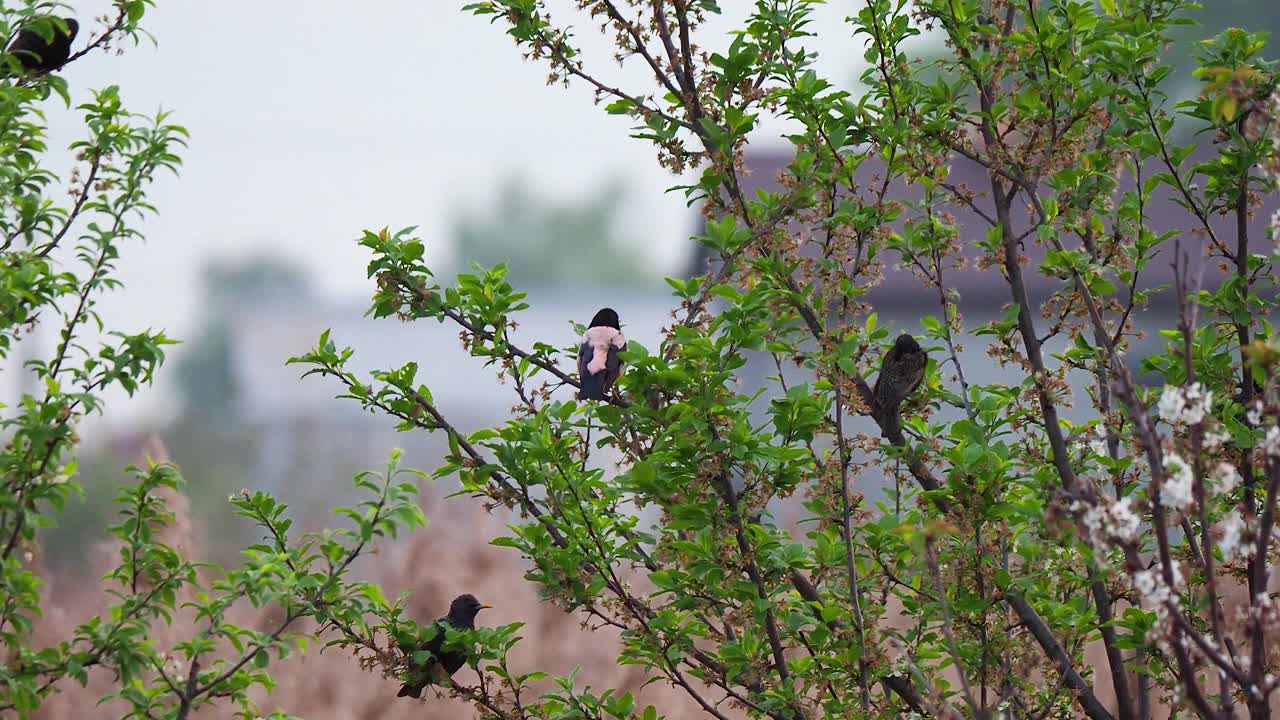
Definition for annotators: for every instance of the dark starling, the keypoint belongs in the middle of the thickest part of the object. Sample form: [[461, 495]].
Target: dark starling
[[900, 374], [36, 54], [462, 616], [598, 363]]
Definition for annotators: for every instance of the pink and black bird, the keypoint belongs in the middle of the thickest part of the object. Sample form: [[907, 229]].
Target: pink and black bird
[[901, 372], [44, 49], [598, 363], [462, 616]]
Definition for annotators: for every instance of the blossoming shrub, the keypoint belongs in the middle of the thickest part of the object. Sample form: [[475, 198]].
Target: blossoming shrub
[[1014, 540]]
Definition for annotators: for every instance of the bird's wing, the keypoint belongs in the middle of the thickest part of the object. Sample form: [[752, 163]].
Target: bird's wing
[[591, 386], [884, 383], [585, 353], [436, 644], [613, 363], [27, 46], [612, 368], [918, 364], [900, 376], [419, 677], [433, 646]]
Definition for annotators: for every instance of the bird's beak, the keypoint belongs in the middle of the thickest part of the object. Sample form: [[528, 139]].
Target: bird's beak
[[486, 607]]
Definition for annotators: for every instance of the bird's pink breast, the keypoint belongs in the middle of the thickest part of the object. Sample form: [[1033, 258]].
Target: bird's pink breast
[[600, 338]]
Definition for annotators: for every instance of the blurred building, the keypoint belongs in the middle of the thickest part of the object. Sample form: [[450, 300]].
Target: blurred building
[[900, 300]]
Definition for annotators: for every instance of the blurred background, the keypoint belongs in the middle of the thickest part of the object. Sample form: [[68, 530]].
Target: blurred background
[[312, 122]]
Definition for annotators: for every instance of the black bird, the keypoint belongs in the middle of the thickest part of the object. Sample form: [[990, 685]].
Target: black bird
[[38, 54], [462, 616], [598, 363], [900, 374]]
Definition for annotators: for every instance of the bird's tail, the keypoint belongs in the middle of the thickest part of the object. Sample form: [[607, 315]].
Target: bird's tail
[[586, 445], [890, 420], [592, 386], [893, 425], [410, 690]]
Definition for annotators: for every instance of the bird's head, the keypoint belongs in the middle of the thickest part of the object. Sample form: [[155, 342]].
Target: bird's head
[[73, 27], [607, 317], [906, 344], [465, 607]]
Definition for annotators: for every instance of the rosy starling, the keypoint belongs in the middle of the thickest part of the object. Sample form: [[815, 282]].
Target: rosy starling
[[462, 616], [900, 374], [598, 363], [38, 53]]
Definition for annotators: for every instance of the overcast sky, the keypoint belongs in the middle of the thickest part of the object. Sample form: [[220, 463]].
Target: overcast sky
[[311, 121]]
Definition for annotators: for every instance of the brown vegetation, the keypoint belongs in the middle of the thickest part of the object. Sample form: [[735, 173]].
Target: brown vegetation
[[431, 566]]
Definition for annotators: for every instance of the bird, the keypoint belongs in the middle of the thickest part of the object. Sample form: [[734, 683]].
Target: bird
[[598, 363], [38, 53], [462, 616], [901, 372]]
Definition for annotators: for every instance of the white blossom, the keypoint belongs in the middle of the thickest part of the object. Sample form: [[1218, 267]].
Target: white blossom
[[1152, 591], [1254, 414], [1175, 491], [1226, 477], [1113, 521], [1155, 594], [1271, 445], [1144, 583], [1171, 402], [1275, 229], [1187, 405], [1093, 440], [1232, 544], [1124, 520], [1214, 439]]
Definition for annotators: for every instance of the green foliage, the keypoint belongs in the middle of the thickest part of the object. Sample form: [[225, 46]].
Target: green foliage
[[1012, 537], [55, 263], [121, 153]]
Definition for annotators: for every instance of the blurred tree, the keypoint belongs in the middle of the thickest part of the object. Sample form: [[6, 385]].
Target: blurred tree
[[1210, 19], [545, 243], [206, 381], [205, 437]]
